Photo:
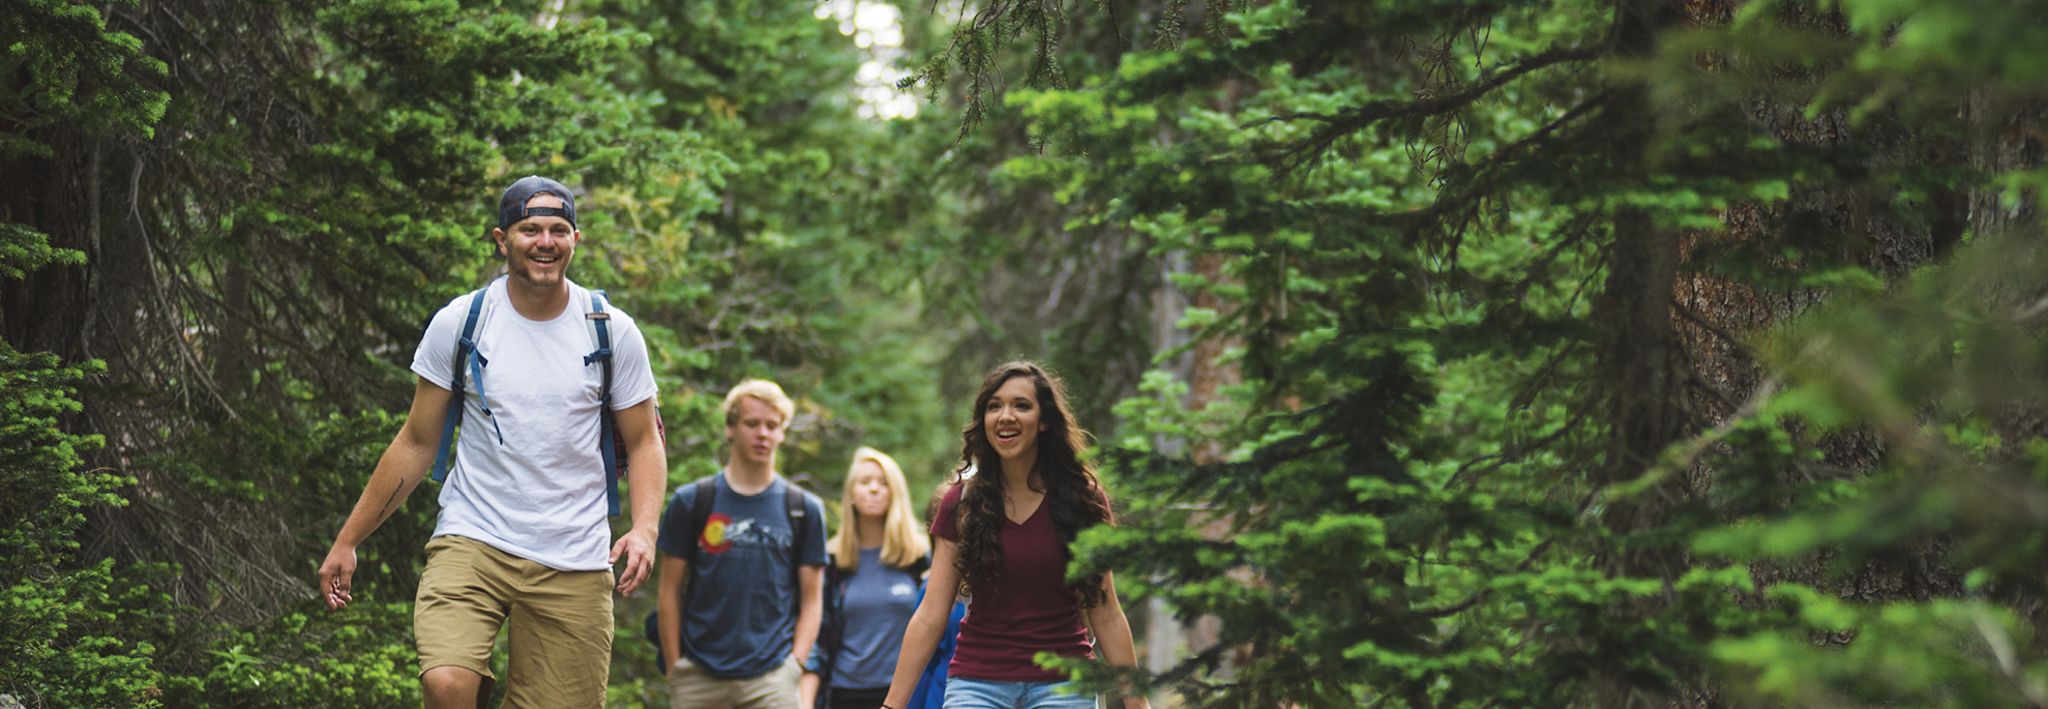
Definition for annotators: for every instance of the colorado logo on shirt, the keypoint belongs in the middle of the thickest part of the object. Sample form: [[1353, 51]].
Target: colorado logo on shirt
[[902, 589], [714, 539]]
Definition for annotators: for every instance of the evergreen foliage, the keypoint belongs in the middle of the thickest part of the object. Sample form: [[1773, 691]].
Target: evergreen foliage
[[60, 635], [249, 212], [1537, 406]]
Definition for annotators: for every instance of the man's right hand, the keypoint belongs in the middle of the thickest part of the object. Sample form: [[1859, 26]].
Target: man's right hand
[[335, 573]]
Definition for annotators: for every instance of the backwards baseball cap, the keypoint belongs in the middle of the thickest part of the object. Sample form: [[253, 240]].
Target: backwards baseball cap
[[512, 206]]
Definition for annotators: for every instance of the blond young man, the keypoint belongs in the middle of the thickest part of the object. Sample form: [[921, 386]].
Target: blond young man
[[740, 594], [523, 538]]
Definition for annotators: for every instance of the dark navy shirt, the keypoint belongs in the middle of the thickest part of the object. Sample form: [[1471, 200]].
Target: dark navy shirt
[[741, 617]]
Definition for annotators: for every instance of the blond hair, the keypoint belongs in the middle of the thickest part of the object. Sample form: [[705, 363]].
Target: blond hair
[[903, 540], [765, 391]]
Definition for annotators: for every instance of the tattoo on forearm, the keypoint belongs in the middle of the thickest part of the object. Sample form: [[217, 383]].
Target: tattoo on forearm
[[390, 505]]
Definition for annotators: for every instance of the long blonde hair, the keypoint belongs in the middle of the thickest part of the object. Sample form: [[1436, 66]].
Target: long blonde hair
[[903, 539]]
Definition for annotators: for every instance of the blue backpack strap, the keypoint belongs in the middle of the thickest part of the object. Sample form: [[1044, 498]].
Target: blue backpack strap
[[607, 421], [468, 364]]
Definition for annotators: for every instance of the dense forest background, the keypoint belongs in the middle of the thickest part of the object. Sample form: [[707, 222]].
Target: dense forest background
[[1440, 352]]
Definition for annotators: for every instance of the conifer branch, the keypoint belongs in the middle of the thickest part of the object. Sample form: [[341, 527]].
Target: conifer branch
[[1343, 123]]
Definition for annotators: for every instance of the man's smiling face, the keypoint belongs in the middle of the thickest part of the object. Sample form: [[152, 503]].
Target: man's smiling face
[[537, 250]]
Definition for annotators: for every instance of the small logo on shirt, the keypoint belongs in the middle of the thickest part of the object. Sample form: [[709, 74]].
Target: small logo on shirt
[[714, 540], [902, 589]]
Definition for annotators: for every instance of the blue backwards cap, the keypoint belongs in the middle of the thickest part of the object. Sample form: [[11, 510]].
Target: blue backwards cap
[[512, 206]]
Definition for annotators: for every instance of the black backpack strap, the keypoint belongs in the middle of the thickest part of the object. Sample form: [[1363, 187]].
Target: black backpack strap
[[831, 628], [793, 500], [919, 567], [700, 514], [835, 603], [800, 533], [704, 494]]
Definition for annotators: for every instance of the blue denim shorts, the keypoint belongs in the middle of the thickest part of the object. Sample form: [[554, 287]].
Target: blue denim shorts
[[964, 693]]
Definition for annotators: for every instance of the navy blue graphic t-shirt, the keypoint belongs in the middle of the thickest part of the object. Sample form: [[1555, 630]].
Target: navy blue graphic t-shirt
[[741, 616]]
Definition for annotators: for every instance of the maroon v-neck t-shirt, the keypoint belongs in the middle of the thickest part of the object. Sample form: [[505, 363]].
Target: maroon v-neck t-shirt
[[1029, 612]]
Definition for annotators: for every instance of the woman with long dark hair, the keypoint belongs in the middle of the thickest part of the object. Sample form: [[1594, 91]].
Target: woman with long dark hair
[[1003, 537]]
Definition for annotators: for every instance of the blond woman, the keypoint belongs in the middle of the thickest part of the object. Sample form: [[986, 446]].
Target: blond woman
[[879, 558]]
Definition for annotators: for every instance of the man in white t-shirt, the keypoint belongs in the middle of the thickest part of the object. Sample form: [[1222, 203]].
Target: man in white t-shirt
[[523, 537]]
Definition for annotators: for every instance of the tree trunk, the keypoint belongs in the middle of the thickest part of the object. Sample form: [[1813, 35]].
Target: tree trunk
[[1639, 367]]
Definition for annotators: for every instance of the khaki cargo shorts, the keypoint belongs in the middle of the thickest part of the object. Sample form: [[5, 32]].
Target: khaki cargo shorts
[[690, 687], [560, 647]]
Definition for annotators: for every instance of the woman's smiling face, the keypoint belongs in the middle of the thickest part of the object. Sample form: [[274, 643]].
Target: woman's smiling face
[[1011, 418]]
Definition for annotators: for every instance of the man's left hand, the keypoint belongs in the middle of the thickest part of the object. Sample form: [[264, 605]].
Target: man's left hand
[[638, 549]]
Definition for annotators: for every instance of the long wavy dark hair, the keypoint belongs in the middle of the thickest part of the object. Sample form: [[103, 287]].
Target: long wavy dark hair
[[1076, 496]]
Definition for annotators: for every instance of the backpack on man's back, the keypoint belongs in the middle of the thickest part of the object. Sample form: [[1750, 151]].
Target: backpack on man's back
[[469, 363], [704, 495]]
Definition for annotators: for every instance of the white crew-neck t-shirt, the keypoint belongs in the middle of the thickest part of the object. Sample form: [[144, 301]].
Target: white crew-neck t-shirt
[[538, 495]]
